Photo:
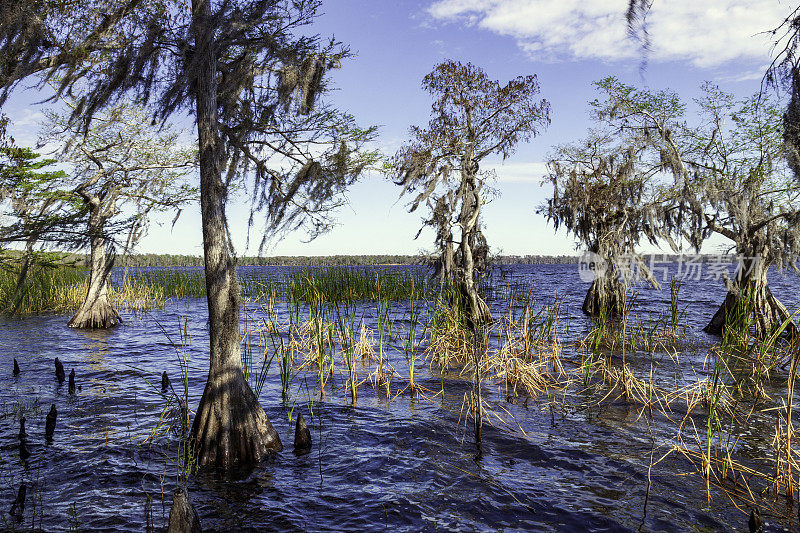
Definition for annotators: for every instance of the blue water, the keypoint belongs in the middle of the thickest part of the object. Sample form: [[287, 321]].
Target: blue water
[[404, 464]]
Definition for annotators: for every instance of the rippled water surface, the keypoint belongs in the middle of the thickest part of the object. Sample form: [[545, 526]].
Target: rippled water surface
[[400, 464]]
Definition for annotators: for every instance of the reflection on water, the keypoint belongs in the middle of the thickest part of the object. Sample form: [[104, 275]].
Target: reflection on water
[[404, 464]]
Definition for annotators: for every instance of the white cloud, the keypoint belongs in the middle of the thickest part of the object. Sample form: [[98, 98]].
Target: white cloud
[[706, 34], [520, 172]]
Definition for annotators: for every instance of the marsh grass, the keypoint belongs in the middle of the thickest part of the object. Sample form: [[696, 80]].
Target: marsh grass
[[333, 284], [787, 463], [46, 290], [731, 401], [63, 290], [529, 357], [327, 339], [712, 414], [449, 343], [325, 343], [354, 284], [171, 282], [630, 333]]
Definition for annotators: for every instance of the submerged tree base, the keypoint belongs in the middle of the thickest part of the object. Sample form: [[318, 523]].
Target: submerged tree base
[[758, 308], [100, 315], [475, 307], [231, 429], [604, 296]]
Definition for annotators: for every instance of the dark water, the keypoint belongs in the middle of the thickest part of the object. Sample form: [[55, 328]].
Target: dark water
[[404, 464]]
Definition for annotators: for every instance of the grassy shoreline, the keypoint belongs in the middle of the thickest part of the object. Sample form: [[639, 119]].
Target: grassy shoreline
[[63, 289]]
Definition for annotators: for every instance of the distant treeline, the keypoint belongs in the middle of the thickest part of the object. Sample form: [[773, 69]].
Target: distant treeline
[[166, 260], [572, 259], [176, 260], [535, 259]]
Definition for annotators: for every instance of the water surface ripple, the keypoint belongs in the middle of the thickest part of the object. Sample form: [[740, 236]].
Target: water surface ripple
[[402, 465]]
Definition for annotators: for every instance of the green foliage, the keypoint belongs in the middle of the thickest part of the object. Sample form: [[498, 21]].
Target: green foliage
[[36, 200], [123, 168]]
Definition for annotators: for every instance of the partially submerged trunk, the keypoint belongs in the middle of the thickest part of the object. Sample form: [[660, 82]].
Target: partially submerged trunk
[[750, 302], [97, 311], [182, 515], [606, 295], [230, 428]]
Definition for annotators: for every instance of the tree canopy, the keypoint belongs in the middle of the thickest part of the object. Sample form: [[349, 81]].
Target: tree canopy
[[723, 173], [253, 77], [472, 117]]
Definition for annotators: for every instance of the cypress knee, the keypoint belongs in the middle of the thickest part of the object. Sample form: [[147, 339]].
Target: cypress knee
[[59, 371], [18, 507], [302, 436], [50, 423], [182, 516], [755, 524], [24, 453]]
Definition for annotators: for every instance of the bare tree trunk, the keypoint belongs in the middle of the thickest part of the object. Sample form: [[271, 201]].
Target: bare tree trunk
[[230, 428], [97, 311], [750, 297], [477, 310], [445, 265]]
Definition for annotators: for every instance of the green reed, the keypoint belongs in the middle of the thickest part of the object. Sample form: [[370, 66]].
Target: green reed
[[713, 423], [542, 327], [346, 325], [383, 311], [256, 376], [284, 356], [46, 290], [410, 351], [344, 284], [675, 313], [177, 420]]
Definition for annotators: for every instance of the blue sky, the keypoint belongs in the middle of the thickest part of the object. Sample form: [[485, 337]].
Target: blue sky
[[567, 43]]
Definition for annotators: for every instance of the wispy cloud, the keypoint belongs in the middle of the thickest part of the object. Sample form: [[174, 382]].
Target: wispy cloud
[[25, 125], [27, 117], [706, 34], [746, 75]]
